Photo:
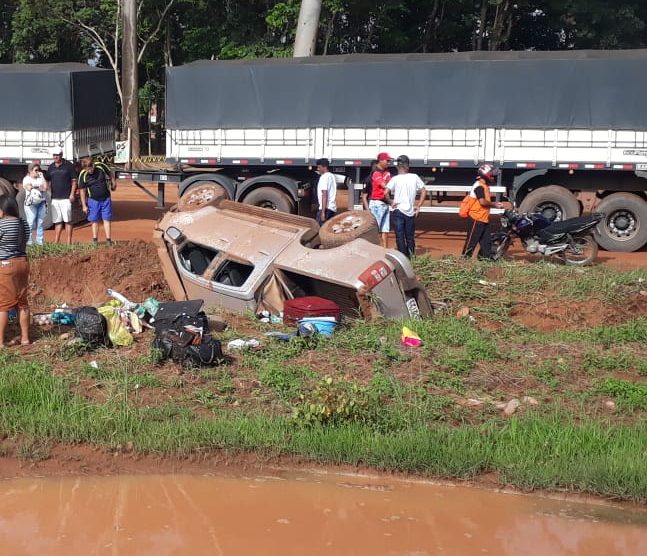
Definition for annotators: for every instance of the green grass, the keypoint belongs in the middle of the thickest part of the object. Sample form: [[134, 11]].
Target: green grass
[[628, 395], [547, 450], [57, 249]]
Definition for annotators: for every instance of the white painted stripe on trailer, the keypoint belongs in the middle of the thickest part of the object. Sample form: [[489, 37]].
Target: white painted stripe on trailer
[[440, 210]]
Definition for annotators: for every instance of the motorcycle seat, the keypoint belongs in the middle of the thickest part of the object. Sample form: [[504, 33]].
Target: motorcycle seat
[[571, 225]]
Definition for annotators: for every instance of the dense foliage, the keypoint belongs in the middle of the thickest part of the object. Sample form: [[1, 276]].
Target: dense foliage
[[174, 32]]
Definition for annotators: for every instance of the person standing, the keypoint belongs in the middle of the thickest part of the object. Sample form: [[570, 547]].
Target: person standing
[[479, 213], [14, 269], [35, 203], [95, 185], [62, 180], [326, 191], [403, 190], [378, 200]]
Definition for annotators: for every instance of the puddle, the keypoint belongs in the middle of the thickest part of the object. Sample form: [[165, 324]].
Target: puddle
[[299, 513]]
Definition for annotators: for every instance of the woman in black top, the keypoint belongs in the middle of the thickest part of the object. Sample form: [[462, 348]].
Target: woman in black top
[[14, 268]]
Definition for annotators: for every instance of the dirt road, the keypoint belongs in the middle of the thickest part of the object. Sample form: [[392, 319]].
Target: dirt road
[[437, 235]]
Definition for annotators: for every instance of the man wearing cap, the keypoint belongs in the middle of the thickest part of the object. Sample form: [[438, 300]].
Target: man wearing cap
[[95, 185], [403, 190], [378, 201], [326, 191], [61, 178]]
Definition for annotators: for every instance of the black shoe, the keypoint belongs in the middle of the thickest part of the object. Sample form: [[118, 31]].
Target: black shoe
[[95, 241], [109, 242]]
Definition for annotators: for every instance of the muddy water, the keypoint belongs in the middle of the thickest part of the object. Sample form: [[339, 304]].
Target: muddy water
[[300, 514]]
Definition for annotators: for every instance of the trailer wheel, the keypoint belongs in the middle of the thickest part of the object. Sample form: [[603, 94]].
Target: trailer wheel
[[6, 188], [270, 198], [199, 195], [553, 202], [345, 227], [624, 227]]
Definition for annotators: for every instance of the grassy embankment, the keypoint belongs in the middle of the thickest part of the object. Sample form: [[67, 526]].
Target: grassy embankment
[[359, 398]]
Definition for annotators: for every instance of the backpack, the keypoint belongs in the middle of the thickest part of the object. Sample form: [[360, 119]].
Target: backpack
[[92, 327], [179, 346], [177, 338], [465, 206]]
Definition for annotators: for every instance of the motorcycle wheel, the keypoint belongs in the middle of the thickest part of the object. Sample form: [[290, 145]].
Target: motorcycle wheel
[[583, 252], [500, 247]]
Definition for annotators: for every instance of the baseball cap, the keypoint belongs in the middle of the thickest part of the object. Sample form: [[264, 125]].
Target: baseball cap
[[323, 162], [57, 150], [384, 156]]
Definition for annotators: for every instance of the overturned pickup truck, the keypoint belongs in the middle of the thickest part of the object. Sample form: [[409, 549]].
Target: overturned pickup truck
[[240, 258]]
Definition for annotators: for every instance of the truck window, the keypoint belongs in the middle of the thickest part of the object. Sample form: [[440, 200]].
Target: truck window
[[233, 273], [196, 258]]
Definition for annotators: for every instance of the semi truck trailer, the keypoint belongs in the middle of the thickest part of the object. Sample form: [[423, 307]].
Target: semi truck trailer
[[568, 130], [72, 106]]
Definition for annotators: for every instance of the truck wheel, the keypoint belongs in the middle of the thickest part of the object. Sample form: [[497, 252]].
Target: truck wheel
[[553, 202], [6, 188], [270, 198], [345, 227], [199, 195], [624, 227]]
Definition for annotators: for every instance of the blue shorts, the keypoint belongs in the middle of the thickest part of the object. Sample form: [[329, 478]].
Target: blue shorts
[[99, 210], [380, 210]]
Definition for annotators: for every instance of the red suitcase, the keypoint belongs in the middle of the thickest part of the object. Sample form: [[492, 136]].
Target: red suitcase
[[310, 306]]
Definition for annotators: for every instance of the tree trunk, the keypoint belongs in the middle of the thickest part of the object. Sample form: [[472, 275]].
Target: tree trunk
[[129, 76], [430, 26], [306, 35], [482, 29]]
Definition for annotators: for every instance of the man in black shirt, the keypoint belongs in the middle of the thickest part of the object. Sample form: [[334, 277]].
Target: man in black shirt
[[61, 178], [95, 184]]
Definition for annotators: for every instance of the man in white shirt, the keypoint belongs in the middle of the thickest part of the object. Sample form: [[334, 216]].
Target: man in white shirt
[[326, 192], [403, 189]]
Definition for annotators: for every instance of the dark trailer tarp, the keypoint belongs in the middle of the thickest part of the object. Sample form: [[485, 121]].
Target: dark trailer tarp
[[541, 90], [56, 97]]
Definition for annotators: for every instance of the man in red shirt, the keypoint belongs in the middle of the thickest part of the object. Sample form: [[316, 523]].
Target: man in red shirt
[[378, 198]]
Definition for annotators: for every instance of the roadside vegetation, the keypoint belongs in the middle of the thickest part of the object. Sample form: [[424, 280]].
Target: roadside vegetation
[[532, 373]]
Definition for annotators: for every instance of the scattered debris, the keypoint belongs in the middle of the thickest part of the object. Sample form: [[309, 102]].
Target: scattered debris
[[239, 343], [529, 400], [462, 312], [410, 338], [610, 405], [511, 407]]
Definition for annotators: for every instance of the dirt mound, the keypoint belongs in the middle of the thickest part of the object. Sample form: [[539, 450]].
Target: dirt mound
[[559, 315], [131, 268]]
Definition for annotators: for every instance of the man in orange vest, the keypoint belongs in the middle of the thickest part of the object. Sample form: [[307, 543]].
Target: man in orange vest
[[479, 213]]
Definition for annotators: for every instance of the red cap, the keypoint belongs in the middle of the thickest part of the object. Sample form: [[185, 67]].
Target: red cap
[[384, 156]]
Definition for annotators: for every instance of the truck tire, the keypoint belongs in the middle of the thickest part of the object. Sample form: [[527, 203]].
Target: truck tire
[[271, 198], [553, 201], [345, 227], [199, 195], [624, 227], [6, 188]]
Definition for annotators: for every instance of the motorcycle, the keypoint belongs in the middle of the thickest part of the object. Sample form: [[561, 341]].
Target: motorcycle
[[570, 239]]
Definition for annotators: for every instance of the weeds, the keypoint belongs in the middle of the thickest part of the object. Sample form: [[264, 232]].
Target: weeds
[[628, 395]]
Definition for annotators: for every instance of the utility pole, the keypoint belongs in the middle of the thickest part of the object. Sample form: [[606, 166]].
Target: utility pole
[[306, 36], [129, 77]]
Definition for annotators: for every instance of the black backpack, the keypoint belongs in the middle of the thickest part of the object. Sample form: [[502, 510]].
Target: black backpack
[[178, 346], [92, 327]]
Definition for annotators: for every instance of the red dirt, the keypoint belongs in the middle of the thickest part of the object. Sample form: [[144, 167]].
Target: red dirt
[[131, 268], [438, 234]]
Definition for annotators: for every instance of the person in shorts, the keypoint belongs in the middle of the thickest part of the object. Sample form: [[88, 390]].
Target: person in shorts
[[95, 185], [62, 181], [378, 199]]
